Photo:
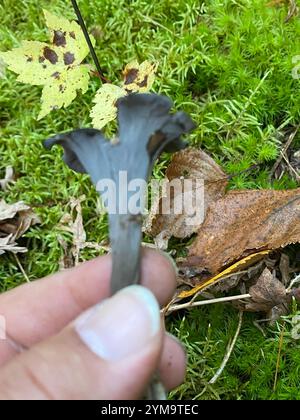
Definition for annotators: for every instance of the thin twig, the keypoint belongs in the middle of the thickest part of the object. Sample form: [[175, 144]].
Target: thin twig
[[278, 357], [191, 304], [284, 149], [229, 351], [88, 40], [21, 268], [228, 276]]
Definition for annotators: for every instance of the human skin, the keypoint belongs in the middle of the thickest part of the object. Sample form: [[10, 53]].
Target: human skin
[[78, 349]]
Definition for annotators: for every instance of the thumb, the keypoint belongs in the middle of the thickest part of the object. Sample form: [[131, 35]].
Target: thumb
[[110, 352]]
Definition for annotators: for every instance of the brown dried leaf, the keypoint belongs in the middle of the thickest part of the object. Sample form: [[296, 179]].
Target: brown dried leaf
[[74, 225], [15, 220], [9, 211], [66, 261], [26, 219], [267, 293], [244, 222], [7, 244], [8, 178], [284, 267], [191, 164]]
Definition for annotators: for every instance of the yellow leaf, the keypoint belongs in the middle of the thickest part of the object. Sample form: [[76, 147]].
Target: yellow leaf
[[29, 63], [68, 35], [137, 78], [56, 66], [64, 90], [105, 109], [238, 266]]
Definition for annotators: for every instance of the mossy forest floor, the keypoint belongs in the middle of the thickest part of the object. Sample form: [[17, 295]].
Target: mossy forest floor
[[229, 64]]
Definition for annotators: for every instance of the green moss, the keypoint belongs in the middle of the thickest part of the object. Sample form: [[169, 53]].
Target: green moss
[[229, 64]]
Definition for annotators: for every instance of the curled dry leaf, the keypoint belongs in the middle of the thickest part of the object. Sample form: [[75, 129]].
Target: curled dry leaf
[[15, 220], [7, 244], [9, 211], [73, 223], [243, 223], [267, 293], [269, 296], [67, 260], [75, 226], [189, 164], [8, 178]]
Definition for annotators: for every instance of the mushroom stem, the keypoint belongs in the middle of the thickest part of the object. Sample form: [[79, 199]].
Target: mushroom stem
[[125, 234]]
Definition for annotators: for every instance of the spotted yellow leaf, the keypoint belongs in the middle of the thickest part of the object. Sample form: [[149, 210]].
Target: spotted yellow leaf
[[238, 266], [67, 34], [137, 78], [56, 66], [105, 109]]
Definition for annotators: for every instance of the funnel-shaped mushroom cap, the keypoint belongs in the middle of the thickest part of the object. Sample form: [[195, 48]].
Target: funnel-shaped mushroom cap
[[146, 128]]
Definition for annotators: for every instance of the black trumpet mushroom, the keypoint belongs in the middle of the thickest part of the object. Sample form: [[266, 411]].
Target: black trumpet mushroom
[[146, 128]]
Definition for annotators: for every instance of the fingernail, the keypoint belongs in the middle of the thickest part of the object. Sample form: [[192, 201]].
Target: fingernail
[[122, 325]]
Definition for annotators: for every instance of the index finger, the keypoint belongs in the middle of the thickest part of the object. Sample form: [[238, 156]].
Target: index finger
[[37, 310]]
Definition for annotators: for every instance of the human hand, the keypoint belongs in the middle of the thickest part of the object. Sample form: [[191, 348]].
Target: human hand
[[77, 350]]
